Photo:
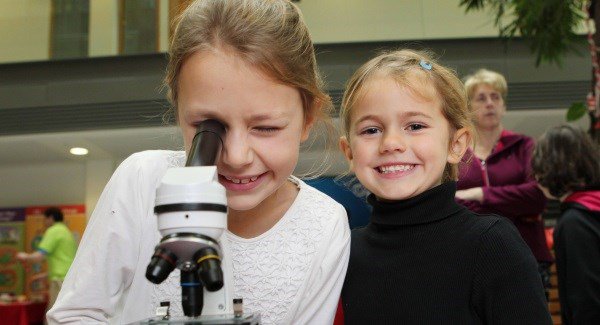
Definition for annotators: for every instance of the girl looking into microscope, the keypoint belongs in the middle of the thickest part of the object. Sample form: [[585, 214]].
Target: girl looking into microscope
[[249, 64]]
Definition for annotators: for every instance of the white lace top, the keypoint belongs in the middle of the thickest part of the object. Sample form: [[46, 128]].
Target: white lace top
[[291, 274]]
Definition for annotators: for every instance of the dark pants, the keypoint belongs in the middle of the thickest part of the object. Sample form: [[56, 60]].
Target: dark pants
[[544, 270]]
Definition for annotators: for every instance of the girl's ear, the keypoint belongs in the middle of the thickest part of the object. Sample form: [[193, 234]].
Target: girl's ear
[[308, 124], [346, 150], [458, 146], [309, 120]]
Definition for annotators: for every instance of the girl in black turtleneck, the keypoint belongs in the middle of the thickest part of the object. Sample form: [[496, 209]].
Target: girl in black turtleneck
[[424, 259]]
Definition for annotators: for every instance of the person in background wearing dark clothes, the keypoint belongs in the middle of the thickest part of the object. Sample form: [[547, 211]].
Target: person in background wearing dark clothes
[[566, 164], [495, 175], [423, 258]]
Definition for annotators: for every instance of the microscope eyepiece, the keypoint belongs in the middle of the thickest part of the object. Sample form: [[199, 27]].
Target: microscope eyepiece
[[209, 268], [161, 265], [206, 144]]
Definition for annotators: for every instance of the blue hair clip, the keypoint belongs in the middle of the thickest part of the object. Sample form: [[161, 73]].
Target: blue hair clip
[[425, 65]]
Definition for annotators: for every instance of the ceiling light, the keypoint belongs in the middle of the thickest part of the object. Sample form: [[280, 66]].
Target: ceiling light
[[78, 151]]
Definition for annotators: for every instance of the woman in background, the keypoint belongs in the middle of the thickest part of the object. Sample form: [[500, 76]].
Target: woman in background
[[495, 176]]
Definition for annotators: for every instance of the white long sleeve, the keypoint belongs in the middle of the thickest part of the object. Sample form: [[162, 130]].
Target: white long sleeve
[[291, 274], [116, 246], [319, 302]]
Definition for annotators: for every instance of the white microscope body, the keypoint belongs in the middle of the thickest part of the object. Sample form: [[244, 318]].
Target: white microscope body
[[191, 207], [196, 190]]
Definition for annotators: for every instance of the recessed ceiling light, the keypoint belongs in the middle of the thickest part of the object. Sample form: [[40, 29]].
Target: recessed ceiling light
[[78, 151]]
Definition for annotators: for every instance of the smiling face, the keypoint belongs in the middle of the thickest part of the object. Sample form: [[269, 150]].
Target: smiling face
[[264, 123], [489, 108], [398, 143]]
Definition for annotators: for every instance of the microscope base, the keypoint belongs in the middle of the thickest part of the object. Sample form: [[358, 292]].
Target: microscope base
[[246, 319]]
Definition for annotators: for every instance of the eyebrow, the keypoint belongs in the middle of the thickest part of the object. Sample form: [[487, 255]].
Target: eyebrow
[[366, 117], [255, 118], [404, 115], [264, 117], [413, 114]]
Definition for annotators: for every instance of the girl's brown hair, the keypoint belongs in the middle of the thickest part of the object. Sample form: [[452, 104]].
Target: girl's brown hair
[[422, 75], [270, 34], [566, 159]]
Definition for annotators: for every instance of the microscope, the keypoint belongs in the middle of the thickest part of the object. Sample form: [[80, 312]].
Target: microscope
[[191, 207]]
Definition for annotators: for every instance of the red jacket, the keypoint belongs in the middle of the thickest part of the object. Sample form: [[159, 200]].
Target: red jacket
[[509, 189]]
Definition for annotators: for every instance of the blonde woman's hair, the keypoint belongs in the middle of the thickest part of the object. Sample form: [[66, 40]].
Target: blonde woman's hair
[[486, 77], [421, 74], [268, 34]]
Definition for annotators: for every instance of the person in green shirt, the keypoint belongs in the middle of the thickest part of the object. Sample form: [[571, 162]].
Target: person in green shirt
[[58, 247]]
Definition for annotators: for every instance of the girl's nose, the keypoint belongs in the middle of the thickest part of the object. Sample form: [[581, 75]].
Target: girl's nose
[[391, 142], [236, 151]]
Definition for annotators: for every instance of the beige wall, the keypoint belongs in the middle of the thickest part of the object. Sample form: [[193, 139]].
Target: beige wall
[[25, 24], [24, 30], [103, 28], [163, 25], [55, 183], [335, 21], [104, 31], [42, 184]]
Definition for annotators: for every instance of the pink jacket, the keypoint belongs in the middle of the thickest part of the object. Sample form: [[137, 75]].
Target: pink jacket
[[509, 189]]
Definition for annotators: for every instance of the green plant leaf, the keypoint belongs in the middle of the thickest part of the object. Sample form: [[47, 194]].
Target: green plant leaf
[[548, 25], [576, 111]]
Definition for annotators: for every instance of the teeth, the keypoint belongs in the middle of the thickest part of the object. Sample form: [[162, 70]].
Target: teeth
[[395, 168], [243, 181]]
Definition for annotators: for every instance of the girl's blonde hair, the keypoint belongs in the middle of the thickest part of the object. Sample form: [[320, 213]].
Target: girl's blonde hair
[[486, 77], [268, 34], [422, 75]]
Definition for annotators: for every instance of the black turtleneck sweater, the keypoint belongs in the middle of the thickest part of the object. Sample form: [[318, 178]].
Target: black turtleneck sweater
[[428, 260]]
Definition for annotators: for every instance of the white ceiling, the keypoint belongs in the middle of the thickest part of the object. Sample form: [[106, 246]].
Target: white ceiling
[[102, 144]]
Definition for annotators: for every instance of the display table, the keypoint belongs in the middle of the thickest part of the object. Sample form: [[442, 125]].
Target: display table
[[22, 313]]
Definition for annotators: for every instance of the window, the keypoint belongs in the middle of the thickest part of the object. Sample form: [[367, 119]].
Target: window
[[69, 28], [138, 30]]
